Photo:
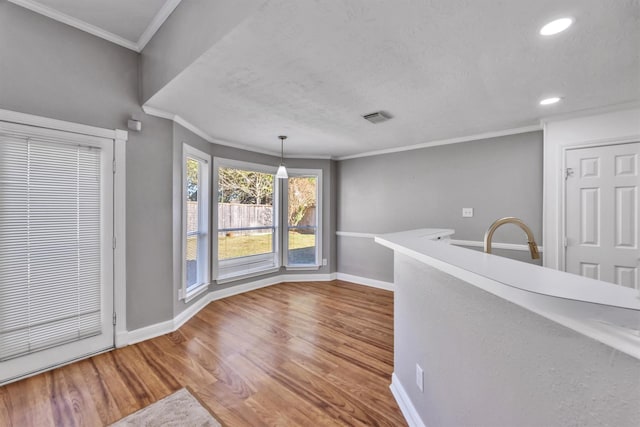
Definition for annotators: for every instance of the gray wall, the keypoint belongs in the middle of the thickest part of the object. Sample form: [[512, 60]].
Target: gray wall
[[182, 135], [193, 27], [53, 70], [149, 220], [480, 368], [363, 257], [428, 187]]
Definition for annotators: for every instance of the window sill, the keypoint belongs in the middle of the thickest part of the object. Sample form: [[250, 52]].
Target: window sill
[[191, 294], [227, 278], [302, 267]]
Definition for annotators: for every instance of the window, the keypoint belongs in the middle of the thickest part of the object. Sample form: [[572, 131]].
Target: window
[[195, 216], [247, 219], [303, 231]]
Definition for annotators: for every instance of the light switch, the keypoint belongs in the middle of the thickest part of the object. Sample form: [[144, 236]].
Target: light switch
[[467, 212]]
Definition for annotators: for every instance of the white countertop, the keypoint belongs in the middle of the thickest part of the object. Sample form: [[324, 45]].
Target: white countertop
[[603, 311]]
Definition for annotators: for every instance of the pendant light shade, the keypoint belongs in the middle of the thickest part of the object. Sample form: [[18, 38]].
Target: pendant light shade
[[282, 170]]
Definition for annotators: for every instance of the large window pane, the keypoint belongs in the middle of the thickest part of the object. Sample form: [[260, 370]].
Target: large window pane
[[302, 220], [245, 213], [196, 221], [193, 211], [241, 243]]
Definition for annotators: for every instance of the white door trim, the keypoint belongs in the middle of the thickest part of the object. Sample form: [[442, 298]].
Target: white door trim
[[561, 134], [120, 138], [561, 255], [120, 234]]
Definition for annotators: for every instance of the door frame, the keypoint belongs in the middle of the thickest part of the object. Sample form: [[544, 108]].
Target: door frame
[[562, 249], [119, 137], [611, 125]]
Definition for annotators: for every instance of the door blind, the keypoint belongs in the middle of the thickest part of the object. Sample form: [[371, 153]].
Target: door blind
[[50, 243]]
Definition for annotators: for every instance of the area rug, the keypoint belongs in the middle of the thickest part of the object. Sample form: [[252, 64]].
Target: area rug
[[178, 409]]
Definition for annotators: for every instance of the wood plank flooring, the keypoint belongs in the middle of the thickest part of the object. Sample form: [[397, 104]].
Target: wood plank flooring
[[294, 354]]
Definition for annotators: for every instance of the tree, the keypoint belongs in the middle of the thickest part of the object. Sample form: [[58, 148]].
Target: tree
[[193, 173], [302, 196], [247, 187]]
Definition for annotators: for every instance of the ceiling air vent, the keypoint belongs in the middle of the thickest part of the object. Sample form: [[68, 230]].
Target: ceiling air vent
[[377, 117]]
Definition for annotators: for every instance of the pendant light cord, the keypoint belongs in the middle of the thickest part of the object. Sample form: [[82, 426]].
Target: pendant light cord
[[282, 138]]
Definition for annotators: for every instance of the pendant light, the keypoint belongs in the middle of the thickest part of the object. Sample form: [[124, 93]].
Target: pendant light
[[282, 171]]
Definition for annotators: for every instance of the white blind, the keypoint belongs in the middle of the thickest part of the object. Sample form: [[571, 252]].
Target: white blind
[[50, 259]]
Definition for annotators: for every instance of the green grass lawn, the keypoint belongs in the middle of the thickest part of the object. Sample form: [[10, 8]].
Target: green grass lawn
[[237, 246]]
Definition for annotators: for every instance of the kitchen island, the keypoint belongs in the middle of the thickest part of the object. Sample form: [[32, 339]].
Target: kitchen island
[[501, 342]]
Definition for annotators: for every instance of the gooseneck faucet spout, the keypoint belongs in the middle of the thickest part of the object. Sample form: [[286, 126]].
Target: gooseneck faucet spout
[[533, 247]]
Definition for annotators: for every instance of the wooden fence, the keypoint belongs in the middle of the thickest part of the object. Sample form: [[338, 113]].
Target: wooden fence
[[234, 215]]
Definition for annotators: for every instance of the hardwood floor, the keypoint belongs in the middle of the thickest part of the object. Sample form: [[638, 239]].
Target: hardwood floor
[[294, 354]]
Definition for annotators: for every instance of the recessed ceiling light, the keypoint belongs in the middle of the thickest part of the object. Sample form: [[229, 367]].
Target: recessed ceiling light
[[549, 101], [557, 26]]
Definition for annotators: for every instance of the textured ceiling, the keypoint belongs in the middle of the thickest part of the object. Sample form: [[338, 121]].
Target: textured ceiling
[[442, 68]]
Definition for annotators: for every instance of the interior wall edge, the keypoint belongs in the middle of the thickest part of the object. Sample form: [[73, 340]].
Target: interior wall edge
[[404, 402]]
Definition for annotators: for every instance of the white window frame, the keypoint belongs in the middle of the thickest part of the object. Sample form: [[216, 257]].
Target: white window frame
[[204, 214], [253, 265], [285, 225]]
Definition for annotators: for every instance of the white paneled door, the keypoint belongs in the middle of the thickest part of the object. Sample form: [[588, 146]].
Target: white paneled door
[[56, 254], [601, 219]]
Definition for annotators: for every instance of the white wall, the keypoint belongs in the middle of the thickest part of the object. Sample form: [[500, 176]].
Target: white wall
[[561, 133], [488, 362]]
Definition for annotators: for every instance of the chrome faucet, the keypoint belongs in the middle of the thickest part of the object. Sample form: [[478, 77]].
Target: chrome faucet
[[533, 247]]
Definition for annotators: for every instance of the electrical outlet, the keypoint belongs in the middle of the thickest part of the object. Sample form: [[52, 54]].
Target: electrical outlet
[[324, 261], [419, 377], [467, 212]]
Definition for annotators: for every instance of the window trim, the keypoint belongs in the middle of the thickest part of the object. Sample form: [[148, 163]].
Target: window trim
[[204, 213], [285, 228], [224, 276]]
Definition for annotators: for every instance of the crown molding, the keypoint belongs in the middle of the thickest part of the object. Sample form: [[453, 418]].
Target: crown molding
[[202, 134], [156, 112], [76, 23], [165, 11], [146, 36], [468, 138], [590, 112], [309, 157]]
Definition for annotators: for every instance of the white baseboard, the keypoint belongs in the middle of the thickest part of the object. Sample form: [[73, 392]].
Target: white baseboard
[[168, 326], [146, 333], [387, 286], [405, 404], [190, 311], [309, 277]]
